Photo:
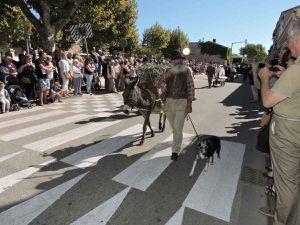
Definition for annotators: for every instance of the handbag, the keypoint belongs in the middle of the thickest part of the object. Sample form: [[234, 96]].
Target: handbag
[[262, 142]]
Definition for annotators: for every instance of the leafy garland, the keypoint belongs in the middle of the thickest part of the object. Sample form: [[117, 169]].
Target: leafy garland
[[150, 72]]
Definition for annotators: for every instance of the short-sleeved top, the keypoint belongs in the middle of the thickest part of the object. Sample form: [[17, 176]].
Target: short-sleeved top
[[40, 73], [288, 85]]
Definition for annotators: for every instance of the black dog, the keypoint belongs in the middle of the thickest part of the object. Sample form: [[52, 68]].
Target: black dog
[[206, 149]]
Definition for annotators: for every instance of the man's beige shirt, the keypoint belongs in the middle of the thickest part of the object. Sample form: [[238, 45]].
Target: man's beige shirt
[[288, 85]]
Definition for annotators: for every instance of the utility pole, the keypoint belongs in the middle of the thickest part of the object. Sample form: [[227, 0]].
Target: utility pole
[[239, 42]]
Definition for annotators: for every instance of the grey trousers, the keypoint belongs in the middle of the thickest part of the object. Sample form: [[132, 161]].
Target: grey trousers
[[285, 152], [77, 85], [175, 111]]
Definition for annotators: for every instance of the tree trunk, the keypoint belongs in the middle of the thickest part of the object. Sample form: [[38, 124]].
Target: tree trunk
[[48, 38]]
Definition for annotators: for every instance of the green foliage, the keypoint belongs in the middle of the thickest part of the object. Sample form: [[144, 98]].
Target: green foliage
[[156, 38], [212, 48], [150, 72], [143, 50], [12, 23], [178, 40], [254, 53], [111, 21]]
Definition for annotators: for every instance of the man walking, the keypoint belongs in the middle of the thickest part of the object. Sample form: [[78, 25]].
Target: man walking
[[284, 97], [210, 71], [180, 93]]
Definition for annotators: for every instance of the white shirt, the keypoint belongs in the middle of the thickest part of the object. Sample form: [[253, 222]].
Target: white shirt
[[2, 94], [64, 67], [76, 71]]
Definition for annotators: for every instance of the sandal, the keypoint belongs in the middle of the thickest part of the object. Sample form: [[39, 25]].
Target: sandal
[[269, 191]]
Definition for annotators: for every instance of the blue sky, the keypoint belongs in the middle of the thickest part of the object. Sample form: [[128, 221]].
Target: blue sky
[[225, 20]]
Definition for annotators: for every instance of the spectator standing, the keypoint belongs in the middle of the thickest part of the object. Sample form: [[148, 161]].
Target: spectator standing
[[41, 73], [50, 69], [117, 69], [284, 97], [28, 78], [77, 77], [65, 74], [89, 74], [111, 74]]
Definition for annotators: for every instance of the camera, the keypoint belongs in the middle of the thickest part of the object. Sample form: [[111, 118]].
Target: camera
[[274, 69]]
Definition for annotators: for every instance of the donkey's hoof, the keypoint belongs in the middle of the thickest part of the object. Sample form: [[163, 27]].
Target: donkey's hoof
[[141, 143], [152, 134]]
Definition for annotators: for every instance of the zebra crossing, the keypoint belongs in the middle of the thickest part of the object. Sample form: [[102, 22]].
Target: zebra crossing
[[61, 127]]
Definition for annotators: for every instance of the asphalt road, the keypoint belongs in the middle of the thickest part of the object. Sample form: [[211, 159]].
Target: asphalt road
[[79, 162]]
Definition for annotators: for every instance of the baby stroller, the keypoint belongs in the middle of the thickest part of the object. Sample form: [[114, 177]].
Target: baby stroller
[[17, 98], [219, 80]]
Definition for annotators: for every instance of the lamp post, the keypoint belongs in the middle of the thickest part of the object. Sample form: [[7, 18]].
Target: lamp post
[[239, 42], [26, 33]]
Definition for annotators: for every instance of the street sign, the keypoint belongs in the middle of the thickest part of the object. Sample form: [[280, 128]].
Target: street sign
[[81, 31]]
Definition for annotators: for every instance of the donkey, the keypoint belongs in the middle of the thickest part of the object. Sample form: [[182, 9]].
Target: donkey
[[136, 97]]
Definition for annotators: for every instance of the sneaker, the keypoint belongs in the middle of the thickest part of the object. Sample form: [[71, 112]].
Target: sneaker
[[174, 156], [268, 174], [266, 211]]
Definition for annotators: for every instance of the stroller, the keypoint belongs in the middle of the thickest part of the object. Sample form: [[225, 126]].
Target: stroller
[[17, 98], [219, 80]]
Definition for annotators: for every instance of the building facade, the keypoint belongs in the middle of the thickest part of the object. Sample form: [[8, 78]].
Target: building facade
[[280, 33]]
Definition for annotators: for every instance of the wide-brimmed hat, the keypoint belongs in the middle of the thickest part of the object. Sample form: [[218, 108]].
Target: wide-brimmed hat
[[176, 55]]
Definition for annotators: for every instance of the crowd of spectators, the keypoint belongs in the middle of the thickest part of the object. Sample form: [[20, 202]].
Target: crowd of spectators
[[46, 77]]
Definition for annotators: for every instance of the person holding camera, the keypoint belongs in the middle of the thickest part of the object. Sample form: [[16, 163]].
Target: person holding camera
[[284, 97]]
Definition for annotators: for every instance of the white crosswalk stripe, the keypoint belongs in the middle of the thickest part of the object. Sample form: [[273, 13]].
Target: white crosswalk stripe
[[22, 112], [214, 191], [12, 179], [61, 138], [42, 127], [19, 121], [102, 213], [148, 168], [24, 213], [90, 156], [203, 197], [6, 157]]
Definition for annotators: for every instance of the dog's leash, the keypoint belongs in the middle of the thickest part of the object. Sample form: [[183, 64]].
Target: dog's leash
[[197, 155], [189, 118]]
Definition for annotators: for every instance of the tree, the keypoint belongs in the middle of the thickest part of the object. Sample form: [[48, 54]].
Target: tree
[[47, 17], [178, 40], [111, 21], [254, 53], [11, 17], [156, 38]]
